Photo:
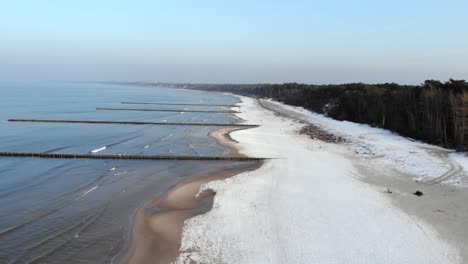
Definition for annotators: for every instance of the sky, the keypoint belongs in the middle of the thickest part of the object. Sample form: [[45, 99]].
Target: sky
[[255, 41]]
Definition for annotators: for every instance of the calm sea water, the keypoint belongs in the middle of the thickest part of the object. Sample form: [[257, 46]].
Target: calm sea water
[[79, 211]]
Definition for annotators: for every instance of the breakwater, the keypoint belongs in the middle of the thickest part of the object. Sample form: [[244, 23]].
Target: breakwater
[[168, 110], [122, 157], [129, 123], [149, 103]]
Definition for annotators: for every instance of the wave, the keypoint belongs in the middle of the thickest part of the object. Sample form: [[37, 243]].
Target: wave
[[166, 137], [87, 192], [43, 249], [42, 178], [122, 141], [56, 149], [123, 172], [98, 149]]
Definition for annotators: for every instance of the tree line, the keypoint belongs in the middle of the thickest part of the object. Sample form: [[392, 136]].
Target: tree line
[[435, 111]]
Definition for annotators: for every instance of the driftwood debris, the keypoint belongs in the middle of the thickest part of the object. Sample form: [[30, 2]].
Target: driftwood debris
[[316, 132]]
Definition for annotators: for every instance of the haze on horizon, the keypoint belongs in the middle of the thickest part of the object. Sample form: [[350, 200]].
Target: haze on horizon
[[318, 41]]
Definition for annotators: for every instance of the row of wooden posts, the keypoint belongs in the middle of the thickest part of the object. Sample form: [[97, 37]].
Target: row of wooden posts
[[133, 157], [128, 122], [122, 157]]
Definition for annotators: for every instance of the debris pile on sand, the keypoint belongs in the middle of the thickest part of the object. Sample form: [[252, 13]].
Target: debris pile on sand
[[316, 132]]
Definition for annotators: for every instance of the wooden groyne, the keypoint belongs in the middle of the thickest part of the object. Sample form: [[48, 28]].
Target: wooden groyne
[[166, 110], [122, 157], [129, 123], [156, 103]]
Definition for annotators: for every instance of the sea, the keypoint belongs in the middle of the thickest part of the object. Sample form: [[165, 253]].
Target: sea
[[80, 210]]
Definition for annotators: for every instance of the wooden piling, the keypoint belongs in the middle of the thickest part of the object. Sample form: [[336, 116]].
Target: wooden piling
[[129, 123], [156, 103], [167, 110], [123, 157]]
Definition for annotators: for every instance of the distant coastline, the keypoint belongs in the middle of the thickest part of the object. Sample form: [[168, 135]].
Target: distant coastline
[[433, 111]]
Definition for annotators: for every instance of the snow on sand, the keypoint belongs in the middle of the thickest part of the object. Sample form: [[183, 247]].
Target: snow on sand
[[424, 161], [306, 206]]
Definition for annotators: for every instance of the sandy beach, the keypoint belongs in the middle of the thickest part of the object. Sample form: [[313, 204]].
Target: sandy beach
[[320, 202], [223, 137], [156, 236], [234, 132]]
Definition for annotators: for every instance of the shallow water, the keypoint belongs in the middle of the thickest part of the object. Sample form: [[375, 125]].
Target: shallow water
[[79, 211]]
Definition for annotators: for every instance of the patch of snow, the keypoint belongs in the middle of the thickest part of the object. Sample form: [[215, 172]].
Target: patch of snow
[[423, 161], [306, 206], [462, 160]]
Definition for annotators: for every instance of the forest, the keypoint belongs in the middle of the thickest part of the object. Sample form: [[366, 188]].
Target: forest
[[435, 112]]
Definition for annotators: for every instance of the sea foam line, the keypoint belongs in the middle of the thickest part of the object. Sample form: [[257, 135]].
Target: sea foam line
[[88, 191], [98, 149]]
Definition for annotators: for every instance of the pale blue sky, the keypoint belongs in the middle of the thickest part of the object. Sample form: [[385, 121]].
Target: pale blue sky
[[241, 41]]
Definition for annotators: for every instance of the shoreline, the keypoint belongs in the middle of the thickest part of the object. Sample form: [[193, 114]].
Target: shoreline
[[156, 237], [302, 207], [223, 137], [156, 228], [192, 228], [441, 209]]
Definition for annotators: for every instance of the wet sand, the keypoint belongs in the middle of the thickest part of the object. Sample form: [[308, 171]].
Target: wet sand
[[223, 137], [157, 228]]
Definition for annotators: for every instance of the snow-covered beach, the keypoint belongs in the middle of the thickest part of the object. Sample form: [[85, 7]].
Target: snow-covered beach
[[317, 202]]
